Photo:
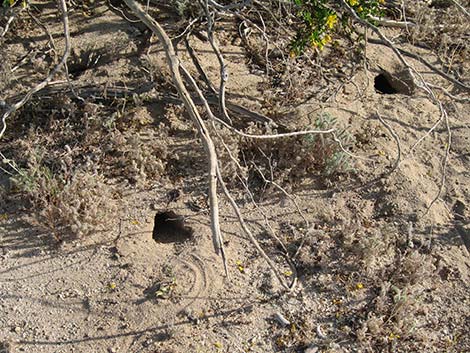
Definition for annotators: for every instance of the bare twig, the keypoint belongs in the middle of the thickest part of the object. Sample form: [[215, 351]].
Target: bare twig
[[397, 140], [461, 8], [175, 67], [198, 65], [220, 58], [14, 12], [247, 230], [392, 23], [274, 136], [444, 162], [230, 6], [51, 42]]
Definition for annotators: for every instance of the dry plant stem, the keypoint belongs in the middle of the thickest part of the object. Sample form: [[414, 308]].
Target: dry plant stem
[[450, 95], [392, 23], [261, 30], [461, 8], [117, 9], [15, 13], [273, 233], [220, 58], [397, 140], [444, 163], [198, 65], [187, 29], [51, 42], [284, 191], [436, 124], [230, 198], [14, 107], [274, 136], [241, 110], [273, 17], [230, 6], [340, 144], [175, 66], [248, 232], [22, 61]]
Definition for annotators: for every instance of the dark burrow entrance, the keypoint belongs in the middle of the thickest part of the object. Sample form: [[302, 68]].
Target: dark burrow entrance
[[169, 227], [400, 82], [382, 84]]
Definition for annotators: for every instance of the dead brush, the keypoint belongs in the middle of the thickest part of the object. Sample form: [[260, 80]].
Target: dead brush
[[138, 157], [449, 43], [320, 157], [396, 279], [64, 203]]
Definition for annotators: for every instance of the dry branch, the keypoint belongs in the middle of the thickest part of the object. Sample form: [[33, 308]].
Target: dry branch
[[175, 64]]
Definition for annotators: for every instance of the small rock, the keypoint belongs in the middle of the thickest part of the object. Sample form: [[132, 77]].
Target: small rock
[[281, 319]]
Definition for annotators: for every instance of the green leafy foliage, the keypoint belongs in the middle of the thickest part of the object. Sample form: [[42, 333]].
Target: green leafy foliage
[[318, 20]]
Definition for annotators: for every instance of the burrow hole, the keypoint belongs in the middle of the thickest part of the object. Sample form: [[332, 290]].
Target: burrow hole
[[170, 227]]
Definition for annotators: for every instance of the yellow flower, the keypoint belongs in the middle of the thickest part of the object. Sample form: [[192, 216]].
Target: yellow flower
[[240, 266], [331, 21], [326, 39], [353, 2]]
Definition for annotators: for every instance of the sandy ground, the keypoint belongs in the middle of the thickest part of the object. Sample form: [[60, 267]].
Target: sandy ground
[[375, 272]]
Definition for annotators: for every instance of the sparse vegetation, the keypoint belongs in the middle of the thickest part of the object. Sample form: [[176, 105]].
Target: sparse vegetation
[[304, 152]]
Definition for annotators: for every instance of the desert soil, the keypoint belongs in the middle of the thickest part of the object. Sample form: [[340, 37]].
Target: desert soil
[[376, 272]]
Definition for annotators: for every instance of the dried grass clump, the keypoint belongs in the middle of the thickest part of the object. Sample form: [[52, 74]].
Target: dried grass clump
[[139, 157], [296, 158], [444, 29], [65, 203]]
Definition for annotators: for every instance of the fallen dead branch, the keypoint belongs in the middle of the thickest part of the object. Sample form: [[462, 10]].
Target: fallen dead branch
[[175, 64]]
